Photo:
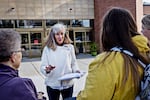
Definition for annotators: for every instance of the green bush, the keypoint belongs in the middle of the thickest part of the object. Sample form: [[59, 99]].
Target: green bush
[[93, 47]]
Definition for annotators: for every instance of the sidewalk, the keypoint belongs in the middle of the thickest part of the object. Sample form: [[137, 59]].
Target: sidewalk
[[30, 68]]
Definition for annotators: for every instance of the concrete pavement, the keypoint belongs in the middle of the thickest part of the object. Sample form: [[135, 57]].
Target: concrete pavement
[[30, 68]]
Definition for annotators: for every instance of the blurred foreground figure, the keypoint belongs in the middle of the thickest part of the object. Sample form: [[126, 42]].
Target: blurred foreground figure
[[115, 75], [12, 87]]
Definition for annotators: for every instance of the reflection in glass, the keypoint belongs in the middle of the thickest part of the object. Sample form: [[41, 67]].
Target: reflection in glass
[[51, 22], [86, 23], [65, 22], [24, 39], [36, 47], [25, 53], [88, 36], [79, 36], [76, 23], [82, 23], [35, 38], [28, 23], [6, 23], [36, 50]]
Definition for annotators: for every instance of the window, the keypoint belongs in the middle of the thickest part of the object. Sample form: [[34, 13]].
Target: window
[[28, 23], [82, 23], [65, 22], [50, 23], [6, 23]]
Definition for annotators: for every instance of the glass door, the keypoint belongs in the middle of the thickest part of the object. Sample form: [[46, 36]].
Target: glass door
[[81, 39], [79, 42], [25, 44], [36, 43], [31, 43]]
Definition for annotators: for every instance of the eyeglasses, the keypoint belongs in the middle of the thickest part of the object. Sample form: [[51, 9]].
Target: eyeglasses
[[22, 49], [143, 27]]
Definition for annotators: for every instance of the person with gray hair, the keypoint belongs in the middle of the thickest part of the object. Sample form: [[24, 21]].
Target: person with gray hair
[[13, 87], [58, 59]]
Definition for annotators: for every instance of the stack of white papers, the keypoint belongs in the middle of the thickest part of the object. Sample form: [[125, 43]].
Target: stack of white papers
[[71, 76]]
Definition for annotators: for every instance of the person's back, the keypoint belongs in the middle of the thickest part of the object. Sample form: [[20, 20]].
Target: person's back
[[114, 75], [13, 87]]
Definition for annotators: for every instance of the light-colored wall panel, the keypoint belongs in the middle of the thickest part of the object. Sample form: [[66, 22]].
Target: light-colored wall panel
[[21, 11], [47, 9]]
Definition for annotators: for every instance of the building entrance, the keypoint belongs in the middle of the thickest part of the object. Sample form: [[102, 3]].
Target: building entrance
[[32, 43], [81, 38]]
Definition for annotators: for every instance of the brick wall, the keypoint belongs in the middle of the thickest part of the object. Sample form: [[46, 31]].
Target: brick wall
[[146, 9], [101, 7]]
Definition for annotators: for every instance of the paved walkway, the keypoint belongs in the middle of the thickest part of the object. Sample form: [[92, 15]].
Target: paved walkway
[[30, 68]]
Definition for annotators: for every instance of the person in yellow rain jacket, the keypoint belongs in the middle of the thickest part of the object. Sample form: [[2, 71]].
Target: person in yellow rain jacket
[[114, 75]]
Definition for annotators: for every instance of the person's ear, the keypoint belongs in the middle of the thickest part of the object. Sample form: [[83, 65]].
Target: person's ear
[[13, 58]]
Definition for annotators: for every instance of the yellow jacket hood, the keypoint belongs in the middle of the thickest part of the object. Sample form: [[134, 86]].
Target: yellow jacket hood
[[141, 42]]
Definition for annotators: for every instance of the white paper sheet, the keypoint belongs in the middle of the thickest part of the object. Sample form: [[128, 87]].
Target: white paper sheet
[[71, 76]]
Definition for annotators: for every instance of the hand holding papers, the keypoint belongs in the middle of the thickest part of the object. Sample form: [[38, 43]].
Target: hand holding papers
[[71, 76]]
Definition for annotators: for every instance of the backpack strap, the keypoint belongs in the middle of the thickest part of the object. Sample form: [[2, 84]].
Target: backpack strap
[[120, 49], [145, 83]]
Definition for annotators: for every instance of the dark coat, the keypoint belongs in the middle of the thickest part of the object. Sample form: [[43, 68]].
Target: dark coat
[[12, 87]]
